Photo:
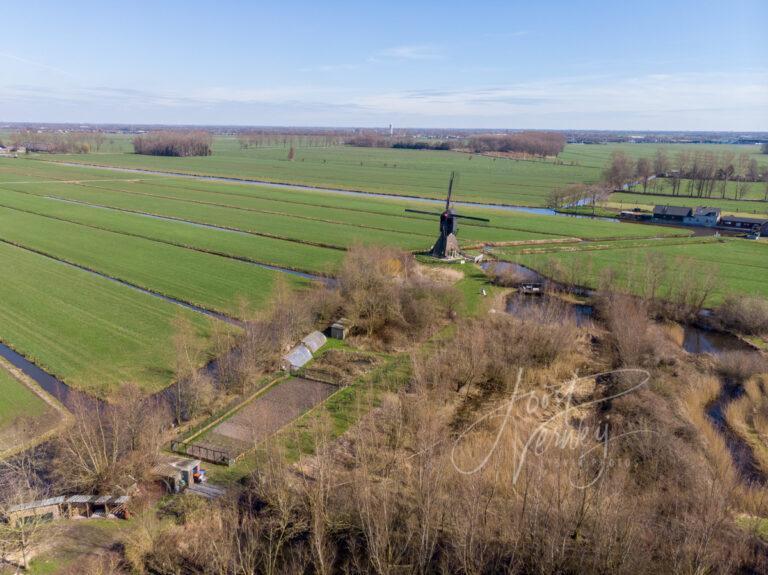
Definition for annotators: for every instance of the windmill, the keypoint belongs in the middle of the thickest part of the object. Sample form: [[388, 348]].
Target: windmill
[[447, 246]]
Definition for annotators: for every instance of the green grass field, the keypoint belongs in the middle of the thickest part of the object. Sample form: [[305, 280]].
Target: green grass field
[[740, 266], [421, 173], [154, 232], [205, 280], [17, 399], [92, 333]]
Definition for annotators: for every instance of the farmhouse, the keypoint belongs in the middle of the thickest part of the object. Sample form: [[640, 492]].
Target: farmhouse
[[703, 216], [698, 216]]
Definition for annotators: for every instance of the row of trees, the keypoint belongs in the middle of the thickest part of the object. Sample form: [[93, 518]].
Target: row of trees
[[704, 174], [266, 139], [528, 142], [174, 143], [57, 142]]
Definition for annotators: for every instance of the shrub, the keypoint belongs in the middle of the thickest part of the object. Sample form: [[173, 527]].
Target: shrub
[[745, 314]]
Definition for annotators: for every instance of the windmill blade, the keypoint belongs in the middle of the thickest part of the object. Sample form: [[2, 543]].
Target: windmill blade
[[450, 190], [422, 212], [473, 218]]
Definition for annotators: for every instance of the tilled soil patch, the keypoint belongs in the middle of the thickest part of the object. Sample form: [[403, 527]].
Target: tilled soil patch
[[267, 414]]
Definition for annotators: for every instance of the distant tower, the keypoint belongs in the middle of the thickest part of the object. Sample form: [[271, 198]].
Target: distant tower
[[391, 131]]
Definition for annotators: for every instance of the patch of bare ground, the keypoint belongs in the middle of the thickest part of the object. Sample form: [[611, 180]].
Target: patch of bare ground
[[268, 413]]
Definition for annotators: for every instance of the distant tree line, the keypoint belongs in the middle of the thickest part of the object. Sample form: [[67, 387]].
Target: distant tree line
[[270, 139], [374, 140], [421, 145], [529, 142], [174, 143], [56, 142]]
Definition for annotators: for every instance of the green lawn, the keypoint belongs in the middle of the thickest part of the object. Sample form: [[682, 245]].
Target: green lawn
[[741, 265], [91, 332]]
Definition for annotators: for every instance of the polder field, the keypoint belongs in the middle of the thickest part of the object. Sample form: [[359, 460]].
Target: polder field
[[738, 265], [102, 264], [423, 173]]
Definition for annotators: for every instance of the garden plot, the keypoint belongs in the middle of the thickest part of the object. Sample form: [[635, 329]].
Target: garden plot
[[265, 416]]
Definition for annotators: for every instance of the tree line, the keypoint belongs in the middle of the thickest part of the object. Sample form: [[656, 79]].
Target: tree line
[[703, 173], [528, 142], [57, 142], [174, 143], [269, 139]]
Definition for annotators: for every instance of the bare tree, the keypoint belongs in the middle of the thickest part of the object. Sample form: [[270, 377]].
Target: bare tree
[[619, 170], [20, 484], [643, 171]]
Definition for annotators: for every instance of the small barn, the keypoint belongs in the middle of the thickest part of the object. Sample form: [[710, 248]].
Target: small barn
[[177, 473], [746, 224], [43, 509], [340, 329]]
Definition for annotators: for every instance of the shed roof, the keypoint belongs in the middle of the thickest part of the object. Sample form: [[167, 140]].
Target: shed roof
[[679, 211], [81, 499], [36, 504], [739, 219]]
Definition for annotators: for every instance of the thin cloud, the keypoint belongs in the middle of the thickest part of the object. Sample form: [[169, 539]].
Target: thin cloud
[[36, 64], [411, 52]]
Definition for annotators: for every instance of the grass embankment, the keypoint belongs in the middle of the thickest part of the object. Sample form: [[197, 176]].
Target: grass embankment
[[740, 265], [92, 333]]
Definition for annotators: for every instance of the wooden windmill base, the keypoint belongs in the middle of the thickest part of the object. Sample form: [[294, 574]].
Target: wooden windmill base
[[446, 247]]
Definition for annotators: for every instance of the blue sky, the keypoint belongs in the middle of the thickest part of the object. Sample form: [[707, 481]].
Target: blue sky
[[674, 65]]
